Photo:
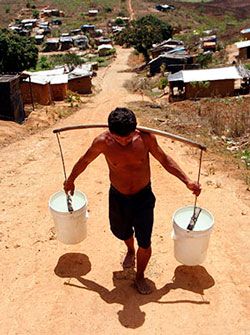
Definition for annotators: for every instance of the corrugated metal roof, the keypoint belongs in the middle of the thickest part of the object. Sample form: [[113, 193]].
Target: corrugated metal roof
[[53, 80], [52, 40], [178, 76], [8, 77], [223, 73], [85, 70], [59, 70], [242, 44], [245, 31], [67, 39], [168, 55], [104, 46]]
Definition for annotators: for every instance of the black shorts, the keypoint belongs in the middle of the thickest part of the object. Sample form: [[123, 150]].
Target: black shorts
[[129, 214]]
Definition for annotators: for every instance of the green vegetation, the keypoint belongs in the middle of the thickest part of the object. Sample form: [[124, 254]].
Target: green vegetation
[[246, 158], [17, 53], [49, 62], [73, 99], [204, 59], [194, 1], [144, 32], [163, 82]]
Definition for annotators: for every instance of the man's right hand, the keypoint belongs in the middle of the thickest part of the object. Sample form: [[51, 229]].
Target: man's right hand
[[69, 187]]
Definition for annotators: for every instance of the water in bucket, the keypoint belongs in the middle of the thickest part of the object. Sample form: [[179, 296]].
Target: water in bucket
[[190, 247], [70, 227]]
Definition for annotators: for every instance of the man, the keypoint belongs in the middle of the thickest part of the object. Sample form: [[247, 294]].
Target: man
[[131, 201]]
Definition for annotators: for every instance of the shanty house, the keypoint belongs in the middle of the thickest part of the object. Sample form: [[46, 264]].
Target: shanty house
[[104, 49], [75, 32], [164, 8], [80, 41], [66, 42], [10, 98], [93, 12], [192, 84], [31, 22], [46, 86], [209, 43], [168, 59], [79, 80], [56, 22], [51, 44], [102, 40], [46, 13], [165, 46], [39, 39], [245, 33], [244, 49], [88, 28]]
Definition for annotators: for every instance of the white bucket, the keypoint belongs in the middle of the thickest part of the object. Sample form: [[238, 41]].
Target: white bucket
[[70, 227], [190, 247]]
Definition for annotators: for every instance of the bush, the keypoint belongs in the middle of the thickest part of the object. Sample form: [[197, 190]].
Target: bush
[[43, 64], [107, 9], [144, 32], [246, 158], [204, 59], [119, 21], [163, 82], [17, 53]]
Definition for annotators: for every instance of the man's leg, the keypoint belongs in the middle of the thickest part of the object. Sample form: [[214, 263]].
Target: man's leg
[[129, 260], [143, 256]]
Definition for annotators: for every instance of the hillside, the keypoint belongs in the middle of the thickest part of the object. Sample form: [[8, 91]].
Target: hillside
[[51, 288]]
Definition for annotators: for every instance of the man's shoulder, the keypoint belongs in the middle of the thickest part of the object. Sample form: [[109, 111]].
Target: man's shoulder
[[102, 139], [102, 136], [146, 136]]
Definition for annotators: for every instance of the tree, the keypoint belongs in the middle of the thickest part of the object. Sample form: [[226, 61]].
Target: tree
[[144, 32], [17, 53]]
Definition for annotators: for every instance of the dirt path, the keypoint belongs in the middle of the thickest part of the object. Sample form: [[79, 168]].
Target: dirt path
[[51, 288], [131, 11]]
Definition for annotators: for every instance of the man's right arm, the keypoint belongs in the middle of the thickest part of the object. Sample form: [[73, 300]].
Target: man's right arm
[[91, 154]]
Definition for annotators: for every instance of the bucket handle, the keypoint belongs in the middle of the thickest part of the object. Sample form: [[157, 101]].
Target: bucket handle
[[68, 197], [197, 210]]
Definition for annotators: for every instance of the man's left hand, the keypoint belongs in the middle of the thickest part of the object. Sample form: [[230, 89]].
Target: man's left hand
[[195, 187]]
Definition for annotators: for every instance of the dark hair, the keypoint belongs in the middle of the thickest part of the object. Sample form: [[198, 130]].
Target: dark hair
[[122, 121]]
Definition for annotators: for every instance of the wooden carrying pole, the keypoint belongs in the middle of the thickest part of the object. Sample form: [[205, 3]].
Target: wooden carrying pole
[[143, 129]]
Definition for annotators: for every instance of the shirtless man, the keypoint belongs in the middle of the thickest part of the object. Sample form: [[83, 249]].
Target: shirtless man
[[131, 200]]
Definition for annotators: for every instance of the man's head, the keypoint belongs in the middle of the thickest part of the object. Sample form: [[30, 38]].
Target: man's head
[[122, 122]]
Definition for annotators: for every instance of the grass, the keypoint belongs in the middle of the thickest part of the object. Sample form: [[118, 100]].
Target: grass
[[76, 11], [194, 1], [207, 123]]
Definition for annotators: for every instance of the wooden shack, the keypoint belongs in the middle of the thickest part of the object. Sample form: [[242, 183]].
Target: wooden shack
[[10, 98], [244, 49], [192, 84], [80, 79], [245, 33], [45, 86]]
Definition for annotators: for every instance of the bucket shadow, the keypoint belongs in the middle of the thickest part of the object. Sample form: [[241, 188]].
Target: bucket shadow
[[192, 278], [72, 265], [76, 265]]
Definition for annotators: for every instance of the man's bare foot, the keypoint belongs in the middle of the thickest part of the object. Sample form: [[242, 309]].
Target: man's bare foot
[[129, 261], [142, 286]]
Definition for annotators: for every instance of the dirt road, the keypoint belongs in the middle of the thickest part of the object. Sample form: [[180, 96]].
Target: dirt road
[[51, 288]]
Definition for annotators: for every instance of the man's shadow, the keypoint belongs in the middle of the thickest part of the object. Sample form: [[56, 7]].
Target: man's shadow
[[76, 265]]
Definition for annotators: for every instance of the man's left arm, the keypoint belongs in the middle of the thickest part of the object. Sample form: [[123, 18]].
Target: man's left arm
[[170, 165]]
